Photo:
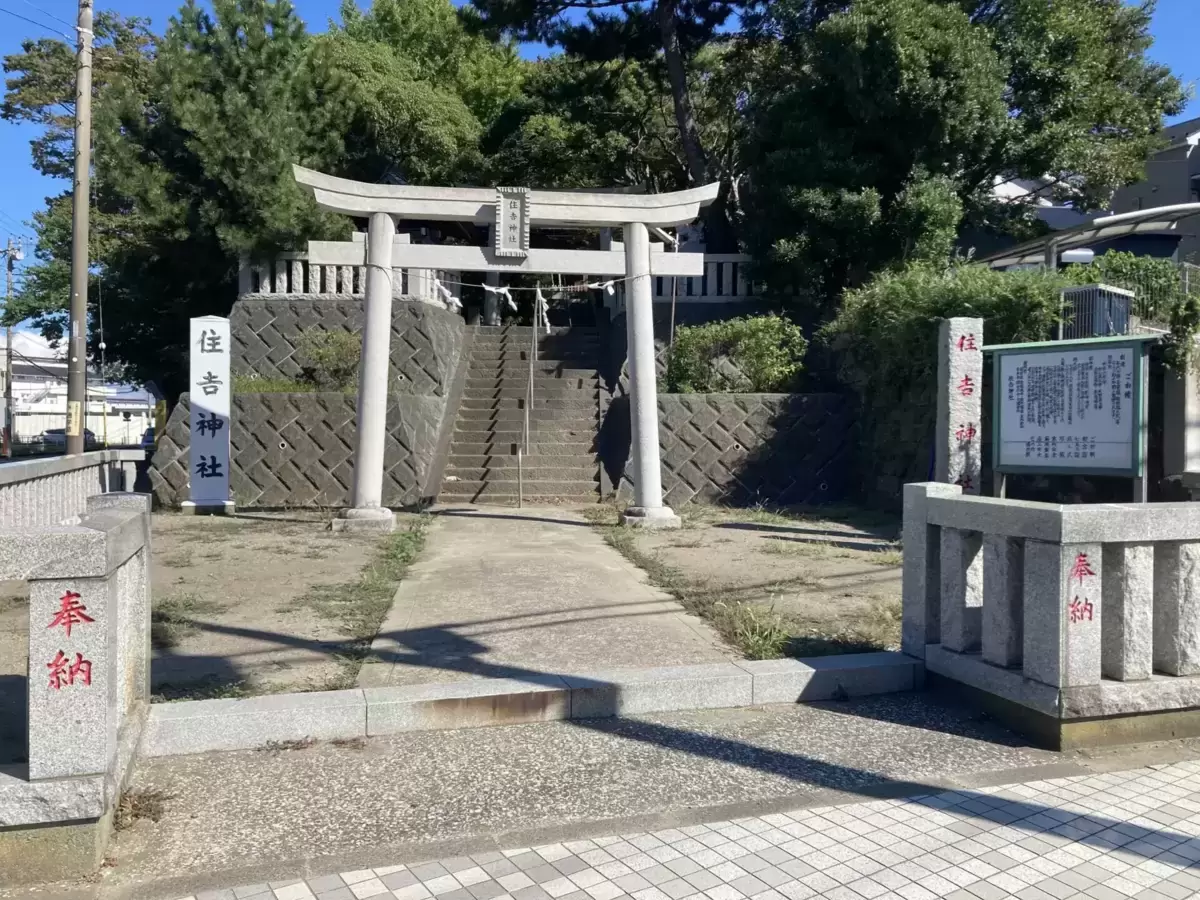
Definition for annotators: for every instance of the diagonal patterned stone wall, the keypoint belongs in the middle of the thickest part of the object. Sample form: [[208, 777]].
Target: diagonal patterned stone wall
[[426, 339], [742, 448], [297, 450]]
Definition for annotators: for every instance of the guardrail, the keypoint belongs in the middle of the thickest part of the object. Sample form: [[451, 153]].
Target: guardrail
[[41, 492], [291, 274], [1076, 612]]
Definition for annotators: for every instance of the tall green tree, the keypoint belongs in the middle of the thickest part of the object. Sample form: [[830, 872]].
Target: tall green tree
[[875, 128], [195, 135], [667, 37]]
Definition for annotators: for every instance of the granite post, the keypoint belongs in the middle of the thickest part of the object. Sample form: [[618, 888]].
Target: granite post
[[367, 511], [1062, 613], [958, 448], [1003, 599], [1127, 628], [962, 590], [1177, 607], [922, 605], [647, 510]]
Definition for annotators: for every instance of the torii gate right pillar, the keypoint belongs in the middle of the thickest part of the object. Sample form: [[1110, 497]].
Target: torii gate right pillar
[[648, 510]]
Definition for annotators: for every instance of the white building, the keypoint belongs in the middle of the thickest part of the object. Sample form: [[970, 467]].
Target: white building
[[116, 414]]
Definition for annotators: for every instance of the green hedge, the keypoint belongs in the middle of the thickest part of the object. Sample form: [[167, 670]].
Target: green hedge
[[884, 342], [756, 354]]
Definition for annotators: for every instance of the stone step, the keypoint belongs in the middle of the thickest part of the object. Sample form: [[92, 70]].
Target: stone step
[[484, 330], [585, 401], [492, 499], [579, 360], [566, 418], [578, 462], [523, 341], [543, 446], [540, 383], [575, 487], [533, 474], [521, 370], [507, 434], [540, 392]]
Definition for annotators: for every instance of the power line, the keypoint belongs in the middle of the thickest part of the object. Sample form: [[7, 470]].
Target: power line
[[47, 12], [41, 25]]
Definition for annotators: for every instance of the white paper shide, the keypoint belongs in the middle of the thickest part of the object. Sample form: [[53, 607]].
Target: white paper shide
[[210, 391], [1068, 409]]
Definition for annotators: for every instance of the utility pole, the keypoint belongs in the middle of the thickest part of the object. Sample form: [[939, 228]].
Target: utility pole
[[12, 253], [77, 336]]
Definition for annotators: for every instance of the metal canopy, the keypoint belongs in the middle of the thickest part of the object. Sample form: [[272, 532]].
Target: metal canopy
[[1160, 218], [563, 208]]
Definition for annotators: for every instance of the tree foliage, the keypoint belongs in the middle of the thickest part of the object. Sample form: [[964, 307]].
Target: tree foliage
[[876, 127], [849, 137]]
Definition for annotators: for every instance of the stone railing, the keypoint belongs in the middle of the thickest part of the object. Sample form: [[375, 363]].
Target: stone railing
[[292, 275], [89, 657], [724, 281], [41, 492], [1086, 612]]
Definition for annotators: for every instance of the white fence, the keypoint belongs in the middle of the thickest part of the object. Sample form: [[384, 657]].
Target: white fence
[[724, 280], [292, 274], [38, 493]]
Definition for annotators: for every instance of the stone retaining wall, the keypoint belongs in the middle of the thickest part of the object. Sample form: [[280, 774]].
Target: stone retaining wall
[[297, 450], [426, 340], [740, 448]]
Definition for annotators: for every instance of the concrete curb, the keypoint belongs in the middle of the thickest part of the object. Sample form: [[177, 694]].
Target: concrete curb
[[198, 726]]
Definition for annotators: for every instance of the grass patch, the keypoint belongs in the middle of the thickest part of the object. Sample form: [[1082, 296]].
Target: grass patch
[[277, 747], [172, 618], [206, 690], [359, 607], [140, 804], [757, 631], [181, 559]]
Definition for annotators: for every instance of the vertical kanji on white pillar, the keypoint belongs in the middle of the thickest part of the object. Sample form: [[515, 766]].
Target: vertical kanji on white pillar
[[959, 439], [210, 400]]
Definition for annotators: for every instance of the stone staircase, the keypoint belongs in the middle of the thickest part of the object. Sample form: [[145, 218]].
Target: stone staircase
[[562, 465]]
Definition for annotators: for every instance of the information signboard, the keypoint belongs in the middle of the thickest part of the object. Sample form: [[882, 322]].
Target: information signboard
[[1068, 407]]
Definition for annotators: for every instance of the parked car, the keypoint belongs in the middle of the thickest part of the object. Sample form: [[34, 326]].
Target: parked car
[[148, 440], [56, 438]]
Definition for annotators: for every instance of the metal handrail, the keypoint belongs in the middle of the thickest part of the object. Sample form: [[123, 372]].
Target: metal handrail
[[523, 448]]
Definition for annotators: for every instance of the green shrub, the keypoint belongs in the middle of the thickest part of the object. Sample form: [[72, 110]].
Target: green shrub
[[884, 341], [329, 359], [756, 354]]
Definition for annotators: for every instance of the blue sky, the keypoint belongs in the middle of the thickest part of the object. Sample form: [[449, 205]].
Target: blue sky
[[22, 190]]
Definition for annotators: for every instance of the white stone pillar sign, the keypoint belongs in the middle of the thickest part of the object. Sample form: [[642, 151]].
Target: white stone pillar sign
[[210, 391], [959, 439]]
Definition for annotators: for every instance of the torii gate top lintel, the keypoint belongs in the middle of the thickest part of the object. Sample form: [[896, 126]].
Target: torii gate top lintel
[[479, 205]]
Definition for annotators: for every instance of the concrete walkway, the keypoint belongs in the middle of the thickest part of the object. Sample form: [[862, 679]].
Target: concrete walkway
[[252, 818], [502, 593]]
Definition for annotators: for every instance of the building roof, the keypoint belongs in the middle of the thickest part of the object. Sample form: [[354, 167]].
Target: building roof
[[1142, 221]]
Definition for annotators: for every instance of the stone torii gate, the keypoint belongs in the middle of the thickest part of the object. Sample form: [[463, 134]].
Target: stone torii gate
[[511, 212]]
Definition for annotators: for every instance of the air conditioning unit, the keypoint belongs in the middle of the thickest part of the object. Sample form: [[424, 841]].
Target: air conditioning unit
[[1095, 310]]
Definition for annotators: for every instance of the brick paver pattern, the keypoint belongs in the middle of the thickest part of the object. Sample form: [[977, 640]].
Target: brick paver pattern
[[1100, 837]]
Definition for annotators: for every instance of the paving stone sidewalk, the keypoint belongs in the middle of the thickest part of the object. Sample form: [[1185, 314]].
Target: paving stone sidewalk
[[1101, 837]]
